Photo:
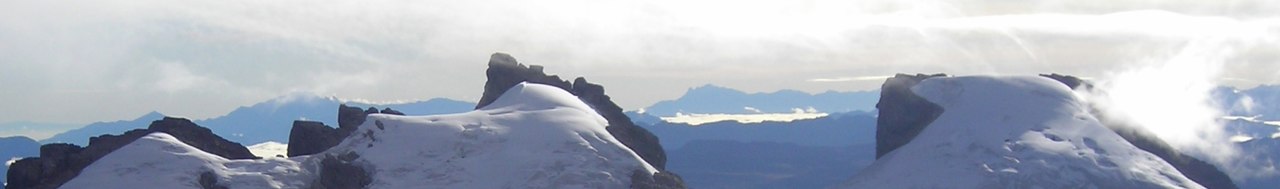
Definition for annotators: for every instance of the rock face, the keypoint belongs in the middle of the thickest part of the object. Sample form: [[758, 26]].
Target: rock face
[[504, 72], [1195, 169], [903, 114], [59, 163], [311, 137], [16, 147]]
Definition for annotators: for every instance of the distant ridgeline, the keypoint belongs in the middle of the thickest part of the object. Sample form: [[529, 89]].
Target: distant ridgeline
[[266, 121], [711, 99], [464, 150]]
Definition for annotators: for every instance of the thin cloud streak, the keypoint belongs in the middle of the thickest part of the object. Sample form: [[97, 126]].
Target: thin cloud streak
[[847, 79]]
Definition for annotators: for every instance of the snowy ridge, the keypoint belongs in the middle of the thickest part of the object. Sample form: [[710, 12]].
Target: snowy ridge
[[533, 136], [1015, 132], [159, 160]]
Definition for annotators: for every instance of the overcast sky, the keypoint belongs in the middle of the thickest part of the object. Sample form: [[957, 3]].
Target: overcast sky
[[82, 61]]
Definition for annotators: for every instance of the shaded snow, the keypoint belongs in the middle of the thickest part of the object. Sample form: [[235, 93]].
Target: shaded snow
[[1015, 132], [534, 136]]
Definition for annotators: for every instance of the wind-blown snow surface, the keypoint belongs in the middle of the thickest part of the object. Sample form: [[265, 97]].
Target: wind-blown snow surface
[[1015, 132], [533, 136]]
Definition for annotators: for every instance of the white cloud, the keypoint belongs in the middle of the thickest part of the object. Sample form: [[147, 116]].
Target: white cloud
[[699, 119], [1171, 97], [386, 50]]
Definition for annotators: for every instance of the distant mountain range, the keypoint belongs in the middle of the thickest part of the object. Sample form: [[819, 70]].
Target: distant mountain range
[[266, 121], [35, 130], [815, 153], [710, 99], [1262, 101], [1260, 143]]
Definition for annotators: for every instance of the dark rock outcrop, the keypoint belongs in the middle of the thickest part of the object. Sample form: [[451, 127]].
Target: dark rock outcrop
[[311, 137], [505, 72], [59, 163], [339, 172], [1071, 81], [660, 180], [1197, 170], [903, 114], [16, 147], [390, 111], [349, 118]]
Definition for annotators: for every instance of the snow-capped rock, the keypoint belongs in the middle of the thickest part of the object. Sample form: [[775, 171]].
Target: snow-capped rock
[[1014, 132], [504, 72], [532, 136]]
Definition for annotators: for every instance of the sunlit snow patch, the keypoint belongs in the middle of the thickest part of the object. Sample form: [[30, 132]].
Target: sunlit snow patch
[[11, 161], [269, 149], [699, 119]]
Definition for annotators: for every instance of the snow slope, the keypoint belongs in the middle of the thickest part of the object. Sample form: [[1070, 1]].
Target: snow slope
[[269, 149], [1015, 132], [533, 136]]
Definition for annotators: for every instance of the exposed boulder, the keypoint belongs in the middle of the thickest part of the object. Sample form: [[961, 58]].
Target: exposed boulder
[[903, 114], [59, 163], [1197, 170], [310, 137]]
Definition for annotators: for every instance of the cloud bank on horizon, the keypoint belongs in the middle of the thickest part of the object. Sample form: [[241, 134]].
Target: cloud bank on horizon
[[78, 61]]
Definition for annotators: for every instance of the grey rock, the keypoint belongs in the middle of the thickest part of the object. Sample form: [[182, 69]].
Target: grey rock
[[311, 137], [340, 172], [903, 114]]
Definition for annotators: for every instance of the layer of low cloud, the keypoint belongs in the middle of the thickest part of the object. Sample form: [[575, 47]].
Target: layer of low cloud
[[754, 117], [82, 61]]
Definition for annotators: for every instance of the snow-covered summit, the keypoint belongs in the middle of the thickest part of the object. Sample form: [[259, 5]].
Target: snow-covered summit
[[1014, 132], [532, 136]]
